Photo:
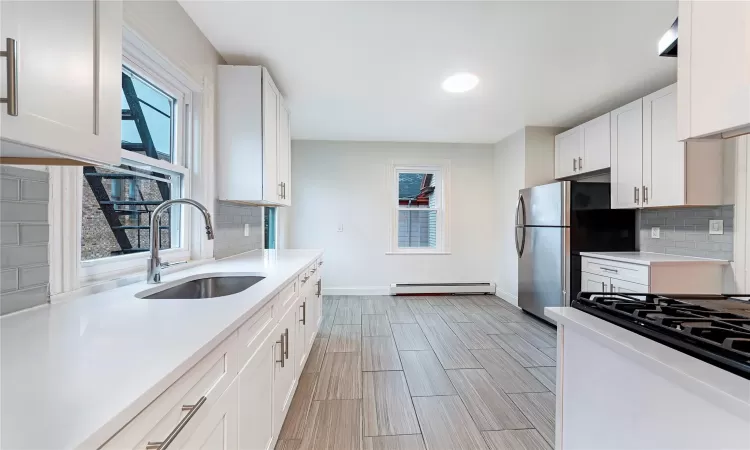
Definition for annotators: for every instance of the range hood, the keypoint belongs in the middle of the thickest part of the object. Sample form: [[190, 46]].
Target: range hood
[[668, 42]]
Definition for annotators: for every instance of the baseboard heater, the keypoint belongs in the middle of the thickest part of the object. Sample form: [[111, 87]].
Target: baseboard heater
[[442, 288]]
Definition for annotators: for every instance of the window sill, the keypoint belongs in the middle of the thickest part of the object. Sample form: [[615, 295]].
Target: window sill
[[418, 253]]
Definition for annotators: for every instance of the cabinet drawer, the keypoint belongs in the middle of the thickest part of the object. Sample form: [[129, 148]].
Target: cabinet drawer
[[615, 269], [288, 295], [209, 378], [255, 330]]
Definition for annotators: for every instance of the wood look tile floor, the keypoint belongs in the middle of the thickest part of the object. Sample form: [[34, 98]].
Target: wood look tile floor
[[425, 372]]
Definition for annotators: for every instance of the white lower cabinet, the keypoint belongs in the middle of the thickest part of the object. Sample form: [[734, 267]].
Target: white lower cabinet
[[594, 283], [218, 430], [682, 275], [256, 396], [236, 397], [623, 286], [300, 333], [284, 373]]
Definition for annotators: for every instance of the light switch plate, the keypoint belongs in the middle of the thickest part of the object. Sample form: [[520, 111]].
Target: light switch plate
[[716, 226], [655, 232], [247, 229]]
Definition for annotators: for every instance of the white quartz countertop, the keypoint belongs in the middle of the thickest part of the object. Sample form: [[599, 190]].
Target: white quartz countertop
[[650, 259], [73, 373], [717, 385]]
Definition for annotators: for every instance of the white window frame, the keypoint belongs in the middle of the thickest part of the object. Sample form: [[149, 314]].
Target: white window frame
[[441, 173], [192, 158]]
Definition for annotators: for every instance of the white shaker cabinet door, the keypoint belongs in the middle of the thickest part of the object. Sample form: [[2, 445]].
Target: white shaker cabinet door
[[628, 287], [713, 68], [284, 158], [663, 154], [271, 187], [255, 407], [594, 283], [283, 378], [68, 63], [218, 430], [626, 142], [568, 155], [596, 142], [300, 333]]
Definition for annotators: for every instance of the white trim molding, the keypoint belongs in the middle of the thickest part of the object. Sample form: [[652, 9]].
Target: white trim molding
[[363, 290], [440, 169]]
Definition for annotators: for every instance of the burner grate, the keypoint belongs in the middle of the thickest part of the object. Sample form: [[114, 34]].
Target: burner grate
[[714, 335]]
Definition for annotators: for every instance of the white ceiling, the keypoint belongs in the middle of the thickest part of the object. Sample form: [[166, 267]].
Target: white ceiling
[[371, 71]]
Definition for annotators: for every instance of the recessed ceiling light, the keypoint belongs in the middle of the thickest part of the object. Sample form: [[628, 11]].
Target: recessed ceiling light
[[460, 82]]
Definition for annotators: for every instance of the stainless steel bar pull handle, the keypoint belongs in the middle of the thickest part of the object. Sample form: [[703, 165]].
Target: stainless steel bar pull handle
[[580, 163], [645, 194], [635, 194], [611, 287], [574, 165], [286, 340], [319, 288], [11, 67], [193, 409], [304, 313], [604, 288], [281, 357]]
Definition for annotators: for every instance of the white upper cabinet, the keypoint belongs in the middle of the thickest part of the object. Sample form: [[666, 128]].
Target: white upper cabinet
[[284, 160], [567, 152], [67, 60], [713, 69], [596, 144], [663, 154], [651, 167], [626, 143], [583, 149], [253, 158], [677, 173]]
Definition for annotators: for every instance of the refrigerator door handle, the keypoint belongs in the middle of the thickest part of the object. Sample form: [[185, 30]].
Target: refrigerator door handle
[[520, 210], [520, 245]]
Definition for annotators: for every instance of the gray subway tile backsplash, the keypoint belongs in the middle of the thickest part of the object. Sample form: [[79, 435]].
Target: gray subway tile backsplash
[[24, 234], [229, 229], [684, 231]]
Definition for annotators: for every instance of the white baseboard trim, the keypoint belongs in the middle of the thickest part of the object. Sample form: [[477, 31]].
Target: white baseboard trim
[[364, 290], [512, 299]]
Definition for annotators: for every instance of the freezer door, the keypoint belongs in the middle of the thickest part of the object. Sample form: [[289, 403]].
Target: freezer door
[[543, 275], [547, 205]]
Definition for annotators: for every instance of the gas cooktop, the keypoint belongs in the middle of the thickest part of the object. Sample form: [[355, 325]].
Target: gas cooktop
[[713, 328]]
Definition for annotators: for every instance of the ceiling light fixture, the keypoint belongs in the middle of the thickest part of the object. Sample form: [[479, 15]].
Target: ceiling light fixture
[[460, 82]]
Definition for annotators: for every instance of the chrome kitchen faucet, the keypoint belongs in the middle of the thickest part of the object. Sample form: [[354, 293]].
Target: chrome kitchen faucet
[[155, 265]]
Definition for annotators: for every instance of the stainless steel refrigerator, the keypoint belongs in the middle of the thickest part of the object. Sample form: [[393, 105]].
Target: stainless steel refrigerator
[[554, 223]]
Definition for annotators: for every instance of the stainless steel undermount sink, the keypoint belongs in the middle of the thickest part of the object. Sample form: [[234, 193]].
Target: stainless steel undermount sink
[[206, 287]]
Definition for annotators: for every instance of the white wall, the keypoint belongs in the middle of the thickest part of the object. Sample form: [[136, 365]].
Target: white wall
[[509, 175], [345, 183], [525, 158], [167, 27]]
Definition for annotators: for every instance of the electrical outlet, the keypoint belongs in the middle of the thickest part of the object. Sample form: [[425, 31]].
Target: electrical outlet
[[655, 232], [716, 226], [247, 229]]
